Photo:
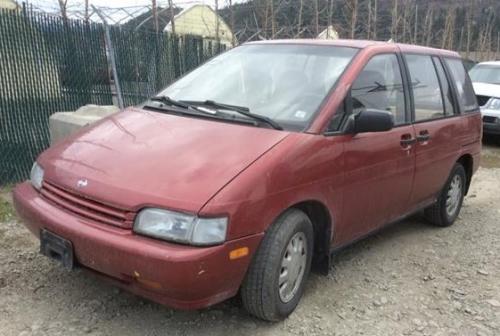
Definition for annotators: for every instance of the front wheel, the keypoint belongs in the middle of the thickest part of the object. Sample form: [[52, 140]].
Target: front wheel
[[445, 211], [275, 280]]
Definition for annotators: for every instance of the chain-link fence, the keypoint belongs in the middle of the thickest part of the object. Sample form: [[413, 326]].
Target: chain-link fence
[[48, 64], [146, 62]]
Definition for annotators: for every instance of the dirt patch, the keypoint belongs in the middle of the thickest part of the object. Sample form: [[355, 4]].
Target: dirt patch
[[410, 279]]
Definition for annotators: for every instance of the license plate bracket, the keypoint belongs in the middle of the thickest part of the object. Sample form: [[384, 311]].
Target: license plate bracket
[[57, 248]]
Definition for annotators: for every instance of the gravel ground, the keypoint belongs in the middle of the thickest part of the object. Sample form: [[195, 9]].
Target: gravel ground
[[409, 279]]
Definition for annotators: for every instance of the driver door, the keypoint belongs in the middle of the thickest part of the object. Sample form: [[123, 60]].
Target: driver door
[[379, 167]]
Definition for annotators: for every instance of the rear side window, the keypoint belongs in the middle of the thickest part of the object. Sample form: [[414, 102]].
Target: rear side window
[[427, 96], [445, 87], [465, 92], [380, 86]]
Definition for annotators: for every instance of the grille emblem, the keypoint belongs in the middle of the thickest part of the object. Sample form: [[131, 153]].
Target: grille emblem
[[82, 183]]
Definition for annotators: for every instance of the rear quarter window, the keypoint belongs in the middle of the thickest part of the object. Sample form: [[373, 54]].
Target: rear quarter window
[[465, 92]]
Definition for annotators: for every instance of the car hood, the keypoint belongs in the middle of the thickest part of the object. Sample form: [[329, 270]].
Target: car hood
[[490, 112], [486, 89], [138, 158]]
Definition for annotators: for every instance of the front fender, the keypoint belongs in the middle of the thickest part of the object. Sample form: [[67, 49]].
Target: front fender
[[301, 168]]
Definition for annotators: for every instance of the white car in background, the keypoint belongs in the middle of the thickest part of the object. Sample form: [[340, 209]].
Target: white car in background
[[486, 81]]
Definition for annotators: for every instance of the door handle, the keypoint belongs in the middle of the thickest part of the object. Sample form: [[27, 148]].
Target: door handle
[[407, 140], [423, 136]]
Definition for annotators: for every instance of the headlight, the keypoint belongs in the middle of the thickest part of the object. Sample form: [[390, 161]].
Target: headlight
[[36, 176], [179, 227]]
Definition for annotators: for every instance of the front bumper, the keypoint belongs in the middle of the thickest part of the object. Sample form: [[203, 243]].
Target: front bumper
[[178, 276]]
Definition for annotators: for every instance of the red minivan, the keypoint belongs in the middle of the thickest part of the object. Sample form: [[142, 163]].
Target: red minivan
[[252, 169]]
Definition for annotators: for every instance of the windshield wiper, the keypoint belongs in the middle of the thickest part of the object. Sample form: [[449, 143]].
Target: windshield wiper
[[169, 101], [172, 102], [239, 109]]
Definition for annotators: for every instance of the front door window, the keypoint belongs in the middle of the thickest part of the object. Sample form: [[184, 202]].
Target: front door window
[[380, 86]]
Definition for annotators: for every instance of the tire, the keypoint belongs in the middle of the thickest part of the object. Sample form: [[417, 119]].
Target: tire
[[260, 291], [442, 213]]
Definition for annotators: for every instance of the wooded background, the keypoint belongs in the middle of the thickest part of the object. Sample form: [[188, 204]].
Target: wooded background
[[469, 26], [462, 25]]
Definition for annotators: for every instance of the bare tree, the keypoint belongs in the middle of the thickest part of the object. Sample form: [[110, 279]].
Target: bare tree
[[330, 17], [498, 46], [482, 37], [63, 5], [369, 25], [231, 13], [316, 17], [468, 19], [487, 33], [260, 15], [155, 16], [449, 29], [406, 13], [217, 22], [274, 7], [87, 15], [428, 24], [415, 34], [461, 39], [264, 15], [352, 6], [453, 21], [172, 15], [273, 18], [299, 23], [490, 35], [395, 20]]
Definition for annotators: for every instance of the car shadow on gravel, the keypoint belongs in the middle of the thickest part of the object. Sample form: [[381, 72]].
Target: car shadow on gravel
[[91, 296], [415, 224], [491, 140]]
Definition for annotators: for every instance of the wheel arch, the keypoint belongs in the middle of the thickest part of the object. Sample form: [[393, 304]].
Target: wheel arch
[[467, 161], [322, 221]]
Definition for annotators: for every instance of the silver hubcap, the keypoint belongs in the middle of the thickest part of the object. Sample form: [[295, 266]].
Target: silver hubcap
[[293, 267], [454, 196]]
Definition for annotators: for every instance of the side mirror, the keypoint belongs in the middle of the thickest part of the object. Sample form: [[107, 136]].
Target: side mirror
[[371, 120]]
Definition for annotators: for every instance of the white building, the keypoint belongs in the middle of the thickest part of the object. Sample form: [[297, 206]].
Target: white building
[[202, 20]]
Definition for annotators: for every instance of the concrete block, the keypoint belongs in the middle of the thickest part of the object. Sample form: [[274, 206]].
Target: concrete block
[[62, 124]]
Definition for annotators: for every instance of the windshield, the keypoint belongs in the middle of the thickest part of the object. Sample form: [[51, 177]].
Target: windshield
[[285, 83], [493, 104], [485, 74]]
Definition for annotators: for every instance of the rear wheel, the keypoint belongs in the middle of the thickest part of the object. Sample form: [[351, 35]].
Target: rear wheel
[[275, 280], [445, 211]]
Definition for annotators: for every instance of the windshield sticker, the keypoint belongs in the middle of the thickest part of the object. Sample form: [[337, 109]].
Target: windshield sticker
[[301, 114]]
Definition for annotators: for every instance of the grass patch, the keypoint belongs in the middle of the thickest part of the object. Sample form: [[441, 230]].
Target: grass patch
[[7, 188], [6, 211]]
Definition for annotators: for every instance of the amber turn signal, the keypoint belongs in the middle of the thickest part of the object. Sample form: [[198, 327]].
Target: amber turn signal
[[145, 282], [238, 253], [149, 283]]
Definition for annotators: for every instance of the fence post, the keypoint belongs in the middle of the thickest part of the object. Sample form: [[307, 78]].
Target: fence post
[[112, 57]]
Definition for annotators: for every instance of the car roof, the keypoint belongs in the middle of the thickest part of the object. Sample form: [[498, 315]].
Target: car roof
[[361, 44], [496, 63]]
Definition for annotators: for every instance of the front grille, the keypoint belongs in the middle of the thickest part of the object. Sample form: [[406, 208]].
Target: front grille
[[87, 208], [490, 120], [482, 100]]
